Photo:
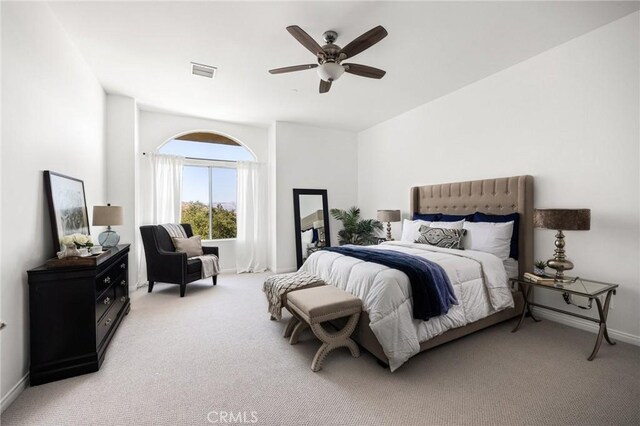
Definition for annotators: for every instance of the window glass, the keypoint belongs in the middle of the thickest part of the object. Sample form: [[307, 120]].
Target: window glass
[[195, 199], [209, 192], [207, 151], [223, 202]]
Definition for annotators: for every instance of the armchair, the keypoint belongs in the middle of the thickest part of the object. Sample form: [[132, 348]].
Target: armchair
[[166, 265]]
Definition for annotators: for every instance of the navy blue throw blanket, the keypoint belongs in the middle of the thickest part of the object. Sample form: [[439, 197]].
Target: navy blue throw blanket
[[430, 287]]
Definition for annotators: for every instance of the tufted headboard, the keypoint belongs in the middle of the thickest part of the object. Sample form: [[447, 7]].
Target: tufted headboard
[[491, 196]]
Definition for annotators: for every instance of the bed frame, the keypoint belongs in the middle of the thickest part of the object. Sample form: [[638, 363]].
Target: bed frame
[[491, 196]]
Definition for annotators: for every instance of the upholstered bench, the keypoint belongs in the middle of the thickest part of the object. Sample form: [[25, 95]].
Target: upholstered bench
[[313, 306], [277, 286]]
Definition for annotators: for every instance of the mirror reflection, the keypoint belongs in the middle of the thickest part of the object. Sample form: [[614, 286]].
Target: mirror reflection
[[312, 217]]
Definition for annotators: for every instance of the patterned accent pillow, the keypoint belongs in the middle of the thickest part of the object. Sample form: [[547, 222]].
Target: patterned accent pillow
[[440, 237]]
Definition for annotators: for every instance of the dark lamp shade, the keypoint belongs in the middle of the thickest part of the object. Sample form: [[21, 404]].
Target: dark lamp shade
[[562, 219], [389, 215], [107, 215]]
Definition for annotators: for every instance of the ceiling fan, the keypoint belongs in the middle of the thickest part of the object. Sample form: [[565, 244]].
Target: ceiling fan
[[330, 56]]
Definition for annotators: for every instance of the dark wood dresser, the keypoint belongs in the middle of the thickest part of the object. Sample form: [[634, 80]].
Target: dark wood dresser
[[74, 312]]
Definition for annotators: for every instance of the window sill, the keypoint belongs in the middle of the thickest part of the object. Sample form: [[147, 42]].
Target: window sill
[[217, 241]]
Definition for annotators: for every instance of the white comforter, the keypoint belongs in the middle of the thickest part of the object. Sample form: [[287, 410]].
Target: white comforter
[[479, 281]]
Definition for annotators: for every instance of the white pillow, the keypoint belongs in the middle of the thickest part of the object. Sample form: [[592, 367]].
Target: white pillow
[[411, 229], [448, 225], [307, 236], [489, 237]]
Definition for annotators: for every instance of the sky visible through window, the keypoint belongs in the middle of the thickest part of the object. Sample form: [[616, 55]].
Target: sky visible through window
[[195, 186]]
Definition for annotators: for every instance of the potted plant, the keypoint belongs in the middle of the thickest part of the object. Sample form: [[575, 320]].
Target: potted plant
[[356, 230], [539, 266]]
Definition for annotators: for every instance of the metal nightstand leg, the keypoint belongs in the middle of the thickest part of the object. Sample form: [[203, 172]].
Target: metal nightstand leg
[[603, 313], [526, 309]]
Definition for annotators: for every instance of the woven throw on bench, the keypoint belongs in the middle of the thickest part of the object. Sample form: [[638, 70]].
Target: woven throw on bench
[[276, 286]]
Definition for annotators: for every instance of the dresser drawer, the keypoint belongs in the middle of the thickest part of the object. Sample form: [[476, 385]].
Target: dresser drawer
[[122, 290], [111, 275], [105, 324], [104, 302]]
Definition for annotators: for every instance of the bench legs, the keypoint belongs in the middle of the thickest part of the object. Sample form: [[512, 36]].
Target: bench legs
[[330, 340]]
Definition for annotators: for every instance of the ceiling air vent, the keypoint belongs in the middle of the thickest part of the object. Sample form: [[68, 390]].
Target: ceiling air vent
[[203, 70]]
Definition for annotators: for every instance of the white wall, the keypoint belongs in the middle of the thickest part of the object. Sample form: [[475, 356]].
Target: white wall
[[157, 128], [570, 117], [310, 204], [311, 158], [53, 119], [122, 184]]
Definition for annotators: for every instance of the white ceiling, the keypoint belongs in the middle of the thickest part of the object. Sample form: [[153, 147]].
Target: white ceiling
[[144, 49]]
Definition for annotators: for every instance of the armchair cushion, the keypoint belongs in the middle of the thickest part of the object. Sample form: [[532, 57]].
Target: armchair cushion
[[192, 246]]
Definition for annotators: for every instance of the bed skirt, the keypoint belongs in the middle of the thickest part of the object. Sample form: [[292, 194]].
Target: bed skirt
[[365, 337]]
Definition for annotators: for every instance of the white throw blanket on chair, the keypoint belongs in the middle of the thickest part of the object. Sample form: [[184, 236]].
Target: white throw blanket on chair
[[210, 264]]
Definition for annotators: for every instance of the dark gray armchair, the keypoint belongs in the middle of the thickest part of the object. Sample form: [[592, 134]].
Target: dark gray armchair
[[166, 265]]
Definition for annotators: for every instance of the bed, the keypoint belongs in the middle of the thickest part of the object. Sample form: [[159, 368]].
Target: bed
[[387, 328]]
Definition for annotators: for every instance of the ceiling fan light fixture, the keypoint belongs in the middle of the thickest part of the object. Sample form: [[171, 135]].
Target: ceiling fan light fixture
[[330, 71]]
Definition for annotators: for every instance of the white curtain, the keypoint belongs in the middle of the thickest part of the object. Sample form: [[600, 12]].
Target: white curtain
[[166, 181], [251, 243], [160, 194]]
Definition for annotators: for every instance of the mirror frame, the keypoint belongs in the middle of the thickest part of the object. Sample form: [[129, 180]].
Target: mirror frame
[[296, 213]]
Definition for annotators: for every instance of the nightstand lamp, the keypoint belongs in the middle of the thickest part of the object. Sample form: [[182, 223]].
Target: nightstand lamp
[[108, 216], [389, 216], [562, 220]]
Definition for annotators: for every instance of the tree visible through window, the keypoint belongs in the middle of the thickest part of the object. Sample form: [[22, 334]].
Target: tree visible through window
[[209, 182]]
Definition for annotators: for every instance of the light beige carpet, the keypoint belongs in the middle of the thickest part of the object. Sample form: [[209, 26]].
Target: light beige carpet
[[176, 361]]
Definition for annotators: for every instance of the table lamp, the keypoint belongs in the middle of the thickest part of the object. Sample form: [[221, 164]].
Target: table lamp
[[389, 216], [108, 216], [562, 220]]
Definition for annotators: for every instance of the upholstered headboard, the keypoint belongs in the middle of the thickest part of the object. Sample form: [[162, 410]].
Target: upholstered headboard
[[492, 196]]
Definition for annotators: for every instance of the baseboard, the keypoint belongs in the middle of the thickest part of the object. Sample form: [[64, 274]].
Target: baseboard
[[15, 391], [585, 325], [285, 270]]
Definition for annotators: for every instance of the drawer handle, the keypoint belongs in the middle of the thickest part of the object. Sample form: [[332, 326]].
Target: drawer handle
[[122, 266], [107, 301], [123, 283], [107, 322], [122, 299], [107, 280]]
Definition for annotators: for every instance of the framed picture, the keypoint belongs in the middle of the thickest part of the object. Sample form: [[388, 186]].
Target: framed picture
[[67, 206]]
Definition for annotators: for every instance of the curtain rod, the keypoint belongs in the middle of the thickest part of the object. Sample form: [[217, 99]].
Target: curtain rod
[[204, 159]]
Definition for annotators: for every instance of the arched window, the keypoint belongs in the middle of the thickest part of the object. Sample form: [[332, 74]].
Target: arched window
[[209, 181]]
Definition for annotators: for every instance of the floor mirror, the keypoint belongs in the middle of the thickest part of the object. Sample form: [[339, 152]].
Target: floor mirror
[[311, 215]]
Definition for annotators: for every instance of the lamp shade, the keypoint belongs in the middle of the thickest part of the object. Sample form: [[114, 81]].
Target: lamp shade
[[389, 215], [107, 215], [562, 219], [317, 224]]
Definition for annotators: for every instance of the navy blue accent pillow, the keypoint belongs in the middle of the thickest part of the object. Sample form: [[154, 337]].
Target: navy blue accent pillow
[[456, 217], [315, 235], [515, 217], [427, 216]]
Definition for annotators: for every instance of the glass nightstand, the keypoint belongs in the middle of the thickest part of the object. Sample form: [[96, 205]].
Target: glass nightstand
[[581, 287]]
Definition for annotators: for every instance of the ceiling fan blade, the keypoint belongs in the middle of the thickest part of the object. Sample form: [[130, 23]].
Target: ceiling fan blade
[[293, 68], [364, 42], [324, 86], [305, 40], [364, 70]]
